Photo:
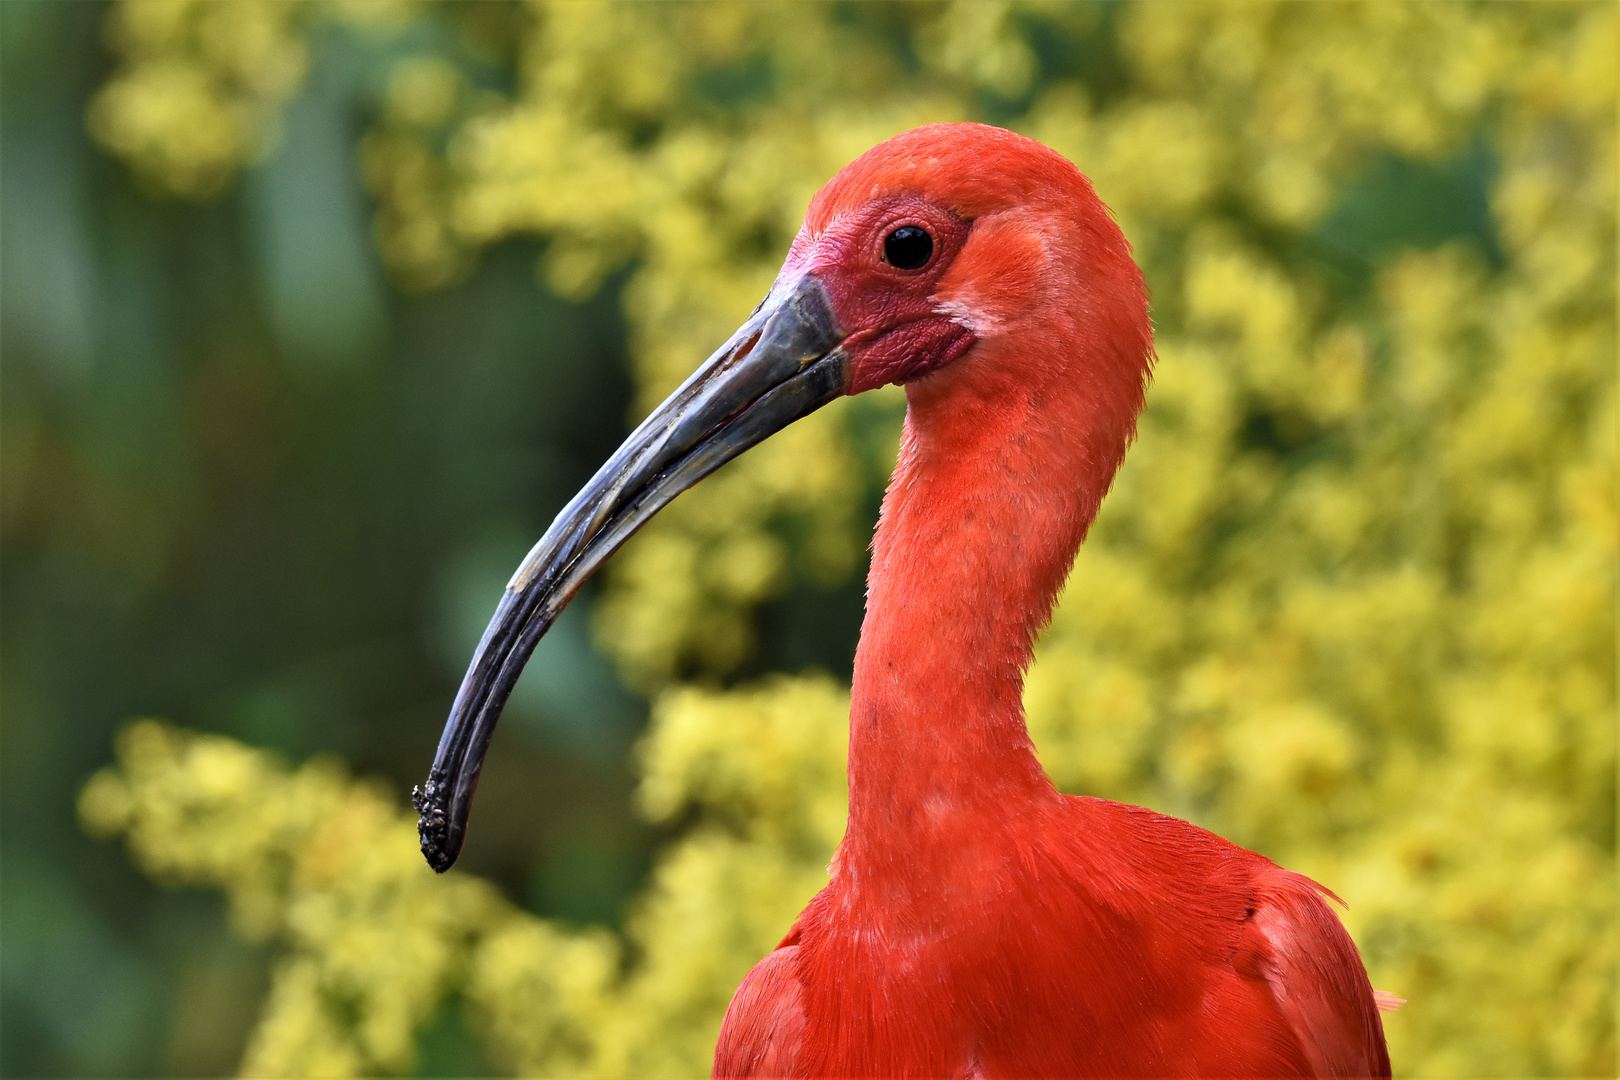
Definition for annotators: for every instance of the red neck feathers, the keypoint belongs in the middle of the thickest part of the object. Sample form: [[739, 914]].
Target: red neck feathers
[[1006, 455]]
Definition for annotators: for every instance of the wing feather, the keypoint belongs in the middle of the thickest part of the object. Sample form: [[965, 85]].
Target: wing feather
[[1316, 977], [765, 1021]]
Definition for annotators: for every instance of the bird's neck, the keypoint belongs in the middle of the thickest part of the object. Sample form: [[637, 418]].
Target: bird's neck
[[992, 494]]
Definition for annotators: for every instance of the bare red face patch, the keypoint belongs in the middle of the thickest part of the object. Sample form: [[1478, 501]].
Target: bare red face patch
[[882, 266]]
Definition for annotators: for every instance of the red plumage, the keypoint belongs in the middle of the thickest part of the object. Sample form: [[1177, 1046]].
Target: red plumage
[[979, 923]]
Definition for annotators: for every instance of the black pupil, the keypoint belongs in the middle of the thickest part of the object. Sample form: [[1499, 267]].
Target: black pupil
[[908, 247]]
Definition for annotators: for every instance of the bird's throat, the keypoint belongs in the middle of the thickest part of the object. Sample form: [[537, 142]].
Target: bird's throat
[[979, 528]]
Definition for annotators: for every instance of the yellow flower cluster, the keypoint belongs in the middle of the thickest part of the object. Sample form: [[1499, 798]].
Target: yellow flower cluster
[[320, 864], [1350, 603], [199, 85], [371, 941]]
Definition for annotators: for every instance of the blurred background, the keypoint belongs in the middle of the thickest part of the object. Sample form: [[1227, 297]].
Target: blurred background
[[313, 314]]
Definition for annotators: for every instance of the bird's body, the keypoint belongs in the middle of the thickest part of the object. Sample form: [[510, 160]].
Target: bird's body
[[977, 922], [1069, 937]]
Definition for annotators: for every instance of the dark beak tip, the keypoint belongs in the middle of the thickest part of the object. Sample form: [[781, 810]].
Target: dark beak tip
[[433, 827]]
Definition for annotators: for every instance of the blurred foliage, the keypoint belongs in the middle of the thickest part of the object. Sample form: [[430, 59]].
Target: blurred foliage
[[370, 941], [1351, 603]]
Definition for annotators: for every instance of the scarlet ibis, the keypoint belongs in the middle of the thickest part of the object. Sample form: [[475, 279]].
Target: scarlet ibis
[[977, 923]]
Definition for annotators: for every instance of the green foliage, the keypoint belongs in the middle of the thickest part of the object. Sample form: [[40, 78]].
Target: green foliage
[[1350, 604], [314, 861], [370, 940]]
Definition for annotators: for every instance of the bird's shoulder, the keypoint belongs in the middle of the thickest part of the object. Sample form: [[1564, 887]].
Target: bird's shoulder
[[1297, 946], [765, 1021], [1250, 921], [1135, 844], [1253, 922]]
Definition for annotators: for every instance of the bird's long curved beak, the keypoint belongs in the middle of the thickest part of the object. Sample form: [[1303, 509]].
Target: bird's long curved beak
[[783, 363]]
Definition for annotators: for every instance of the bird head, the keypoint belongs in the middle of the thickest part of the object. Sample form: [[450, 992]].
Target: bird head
[[920, 263]]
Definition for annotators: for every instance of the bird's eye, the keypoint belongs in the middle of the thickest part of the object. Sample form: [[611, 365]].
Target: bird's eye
[[908, 247]]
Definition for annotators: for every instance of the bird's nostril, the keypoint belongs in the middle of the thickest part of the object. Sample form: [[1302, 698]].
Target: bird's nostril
[[908, 247]]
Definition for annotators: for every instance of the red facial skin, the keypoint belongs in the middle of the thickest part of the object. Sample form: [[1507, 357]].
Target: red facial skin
[[897, 331], [977, 922]]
